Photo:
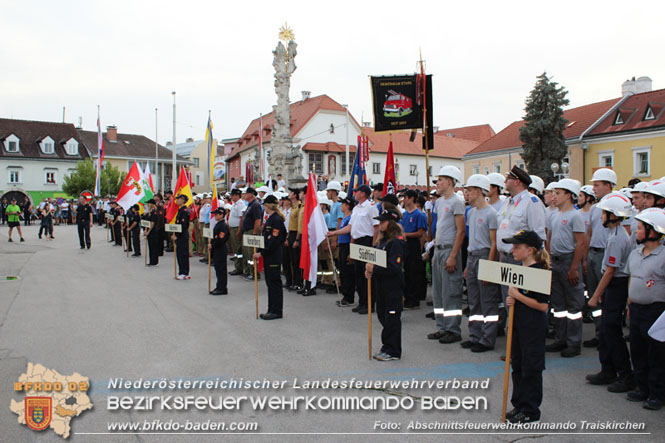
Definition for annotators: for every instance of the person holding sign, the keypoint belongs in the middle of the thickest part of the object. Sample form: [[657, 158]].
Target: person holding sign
[[611, 295], [182, 238], [646, 266], [529, 331], [152, 233], [219, 251], [134, 229], [274, 235], [389, 284]]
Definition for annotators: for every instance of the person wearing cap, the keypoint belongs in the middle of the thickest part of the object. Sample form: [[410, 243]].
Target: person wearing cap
[[646, 291], [377, 192], [134, 228], [116, 225], [363, 228], [565, 238], [603, 180], [293, 272], [611, 295], [497, 183], [251, 225], [389, 283], [182, 239], [484, 297], [346, 266], [219, 251], [274, 235], [83, 222], [529, 331], [160, 222], [238, 207], [447, 280], [414, 224], [152, 233], [522, 211]]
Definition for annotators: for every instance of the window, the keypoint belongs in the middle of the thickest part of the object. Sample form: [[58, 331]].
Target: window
[[12, 143], [376, 168], [486, 170], [196, 162], [48, 145], [72, 147], [476, 169], [521, 165], [430, 171], [315, 162], [606, 159], [497, 167], [198, 178], [412, 169], [642, 161], [618, 120], [50, 177], [343, 162], [14, 176], [649, 114]]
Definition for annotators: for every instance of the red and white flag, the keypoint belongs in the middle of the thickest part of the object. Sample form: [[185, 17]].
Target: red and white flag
[[314, 232], [131, 192]]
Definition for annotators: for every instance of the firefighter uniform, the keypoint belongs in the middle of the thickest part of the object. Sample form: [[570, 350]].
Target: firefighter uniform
[[117, 225], [135, 232], [153, 238], [274, 235], [182, 241], [219, 251], [414, 267], [292, 268]]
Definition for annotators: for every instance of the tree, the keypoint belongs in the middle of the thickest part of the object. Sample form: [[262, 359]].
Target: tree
[[83, 178], [542, 133]]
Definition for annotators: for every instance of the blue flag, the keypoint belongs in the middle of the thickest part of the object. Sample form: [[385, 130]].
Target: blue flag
[[358, 176]]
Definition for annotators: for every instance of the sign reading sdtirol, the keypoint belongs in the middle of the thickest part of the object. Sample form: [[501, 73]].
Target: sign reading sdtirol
[[369, 255]]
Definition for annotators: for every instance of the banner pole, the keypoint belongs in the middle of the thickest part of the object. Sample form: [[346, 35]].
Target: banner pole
[[506, 375], [175, 259], [332, 259], [256, 283], [107, 230], [128, 239], [369, 315], [208, 265], [145, 247]]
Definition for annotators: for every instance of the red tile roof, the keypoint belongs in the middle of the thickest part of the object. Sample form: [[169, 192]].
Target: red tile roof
[[633, 111], [448, 147], [301, 112], [31, 133], [579, 120], [479, 133]]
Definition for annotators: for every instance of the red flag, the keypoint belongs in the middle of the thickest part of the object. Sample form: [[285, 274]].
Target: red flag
[[314, 232], [389, 181], [181, 188]]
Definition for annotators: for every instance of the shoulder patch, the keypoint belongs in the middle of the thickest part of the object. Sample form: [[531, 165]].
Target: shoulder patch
[[534, 199], [275, 232], [221, 235], [400, 237], [399, 259]]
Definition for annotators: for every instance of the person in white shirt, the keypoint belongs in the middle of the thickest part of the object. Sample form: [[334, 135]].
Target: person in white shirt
[[235, 214]]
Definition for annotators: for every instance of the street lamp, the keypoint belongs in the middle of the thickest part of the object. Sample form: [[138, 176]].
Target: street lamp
[[564, 170]]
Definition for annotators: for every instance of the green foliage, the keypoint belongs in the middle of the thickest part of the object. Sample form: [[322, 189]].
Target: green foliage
[[542, 133], [83, 178]]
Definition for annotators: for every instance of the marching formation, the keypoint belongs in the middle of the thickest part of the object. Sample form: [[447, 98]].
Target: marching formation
[[604, 249]]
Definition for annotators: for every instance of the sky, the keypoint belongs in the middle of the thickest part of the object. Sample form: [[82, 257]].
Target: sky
[[128, 56]]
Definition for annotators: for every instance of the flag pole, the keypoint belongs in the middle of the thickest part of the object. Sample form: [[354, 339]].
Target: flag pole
[[127, 229], [369, 315], [145, 247], [506, 375], [332, 260], [256, 283], [208, 265], [175, 259], [426, 139], [156, 150]]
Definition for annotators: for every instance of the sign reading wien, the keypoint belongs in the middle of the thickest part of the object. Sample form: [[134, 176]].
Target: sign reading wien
[[523, 277]]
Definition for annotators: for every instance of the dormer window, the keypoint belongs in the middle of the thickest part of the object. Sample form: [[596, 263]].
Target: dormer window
[[72, 147], [12, 144], [618, 120], [649, 114], [48, 145]]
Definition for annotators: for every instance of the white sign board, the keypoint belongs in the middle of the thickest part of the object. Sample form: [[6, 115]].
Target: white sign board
[[121, 218], [145, 223], [107, 216], [110, 217], [253, 241], [173, 227], [523, 277], [367, 254], [207, 232]]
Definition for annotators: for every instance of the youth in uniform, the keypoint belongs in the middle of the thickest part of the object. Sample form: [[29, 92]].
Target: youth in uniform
[[134, 223], [84, 223], [389, 283], [529, 332], [274, 235], [414, 224], [219, 251], [611, 295], [182, 238], [152, 233]]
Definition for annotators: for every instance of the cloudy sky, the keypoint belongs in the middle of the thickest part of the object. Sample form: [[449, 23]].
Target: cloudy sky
[[127, 57]]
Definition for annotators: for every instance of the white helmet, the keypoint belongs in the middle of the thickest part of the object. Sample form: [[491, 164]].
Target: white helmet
[[497, 179], [321, 195], [656, 187], [342, 195], [654, 217], [479, 181], [281, 189], [627, 192], [452, 172], [640, 187], [568, 184], [537, 183], [588, 190], [606, 175], [551, 186], [263, 188], [325, 201], [460, 194], [333, 186], [617, 204]]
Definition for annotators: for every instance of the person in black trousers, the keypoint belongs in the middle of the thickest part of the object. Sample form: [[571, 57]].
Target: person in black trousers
[[152, 233], [182, 238], [84, 222], [219, 251], [134, 228], [116, 225], [274, 235], [346, 266], [389, 284]]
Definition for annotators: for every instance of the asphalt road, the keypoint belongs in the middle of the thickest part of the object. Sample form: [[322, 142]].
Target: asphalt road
[[106, 316]]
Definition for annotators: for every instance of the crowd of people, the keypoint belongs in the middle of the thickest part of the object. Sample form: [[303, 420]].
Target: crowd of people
[[604, 248]]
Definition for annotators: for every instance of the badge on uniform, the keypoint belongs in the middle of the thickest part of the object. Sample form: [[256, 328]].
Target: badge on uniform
[[564, 222], [399, 259], [480, 221], [221, 235], [650, 283], [534, 199], [275, 232], [612, 260]]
